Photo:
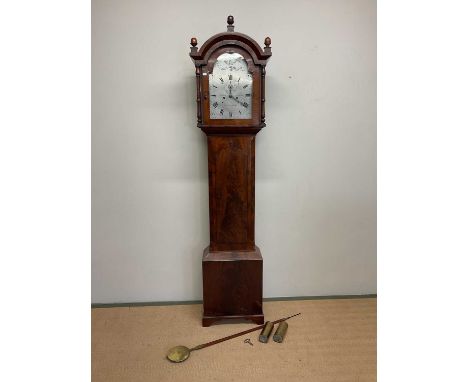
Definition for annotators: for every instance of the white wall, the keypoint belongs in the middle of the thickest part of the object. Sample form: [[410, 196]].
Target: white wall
[[316, 159]]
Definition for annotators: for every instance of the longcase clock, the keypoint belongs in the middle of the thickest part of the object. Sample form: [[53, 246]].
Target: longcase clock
[[230, 77]]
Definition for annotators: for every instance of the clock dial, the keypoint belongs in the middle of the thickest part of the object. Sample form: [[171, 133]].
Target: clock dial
[[230, 88]]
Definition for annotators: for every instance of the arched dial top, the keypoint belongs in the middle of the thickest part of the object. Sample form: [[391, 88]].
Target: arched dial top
[[230, 88], [259, 55]]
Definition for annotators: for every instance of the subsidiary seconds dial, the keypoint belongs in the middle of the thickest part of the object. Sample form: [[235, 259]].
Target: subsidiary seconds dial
[[230, 88]]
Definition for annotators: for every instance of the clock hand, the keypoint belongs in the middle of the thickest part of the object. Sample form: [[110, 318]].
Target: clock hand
[[231, 96], [235, 99]]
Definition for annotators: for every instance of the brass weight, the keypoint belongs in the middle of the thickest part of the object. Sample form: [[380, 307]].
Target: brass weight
[[265, 333], [280, 332]]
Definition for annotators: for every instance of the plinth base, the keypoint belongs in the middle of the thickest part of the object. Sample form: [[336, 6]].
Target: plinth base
[[232, 286], [258, 319]]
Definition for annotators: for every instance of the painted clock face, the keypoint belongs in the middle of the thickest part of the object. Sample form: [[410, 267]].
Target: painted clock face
[[230, 88]]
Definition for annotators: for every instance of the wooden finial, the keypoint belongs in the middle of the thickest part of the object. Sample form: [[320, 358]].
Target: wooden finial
[[230, 21], [267, 41], [193, 42]]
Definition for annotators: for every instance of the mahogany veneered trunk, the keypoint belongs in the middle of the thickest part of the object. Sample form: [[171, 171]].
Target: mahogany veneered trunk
[[232, 264], [231, 164]]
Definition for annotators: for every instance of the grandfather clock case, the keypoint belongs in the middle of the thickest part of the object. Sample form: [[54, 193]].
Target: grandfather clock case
[[230, 82]]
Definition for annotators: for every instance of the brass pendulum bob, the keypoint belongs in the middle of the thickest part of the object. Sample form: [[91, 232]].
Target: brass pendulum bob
[[181, 353]]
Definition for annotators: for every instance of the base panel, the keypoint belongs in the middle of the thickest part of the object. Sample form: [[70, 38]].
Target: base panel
[[232, 286]]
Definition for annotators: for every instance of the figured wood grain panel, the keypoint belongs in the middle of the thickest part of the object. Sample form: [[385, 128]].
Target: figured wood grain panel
[[232, 287], [231, 162]]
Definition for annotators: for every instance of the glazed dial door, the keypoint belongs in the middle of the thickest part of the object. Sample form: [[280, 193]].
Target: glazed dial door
[[230, 88]]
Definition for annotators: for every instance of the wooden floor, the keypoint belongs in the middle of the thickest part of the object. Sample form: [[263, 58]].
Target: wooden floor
[[332, 340]]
